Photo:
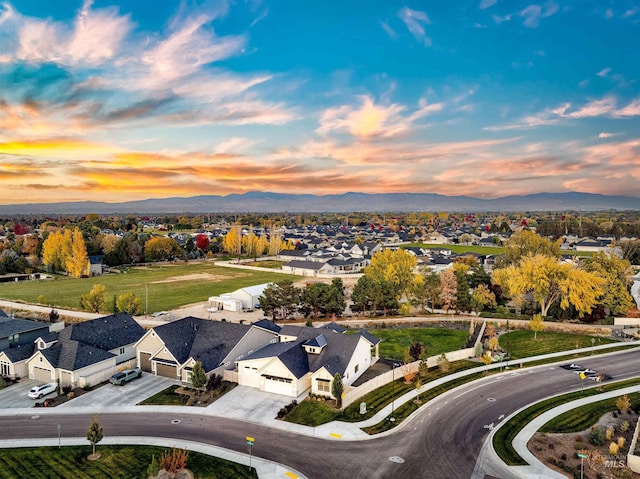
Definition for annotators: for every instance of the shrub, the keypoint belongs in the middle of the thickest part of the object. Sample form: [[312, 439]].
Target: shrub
[[596, 437], [624, 427], [66, 389], [613, 449], [608, 435], [620, 442], [623, 403], [214, 383]]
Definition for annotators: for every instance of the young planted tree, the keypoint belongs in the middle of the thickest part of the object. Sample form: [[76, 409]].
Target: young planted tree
[[536, 324], [198, 376], [415, 350], [95, 434], [94, 300], [337, 389]]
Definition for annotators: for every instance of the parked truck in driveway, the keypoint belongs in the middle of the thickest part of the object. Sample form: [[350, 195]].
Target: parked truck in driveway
[[125, 376]]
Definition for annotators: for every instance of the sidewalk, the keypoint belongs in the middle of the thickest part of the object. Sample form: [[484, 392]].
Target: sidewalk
[[536, 469], [487, 462]]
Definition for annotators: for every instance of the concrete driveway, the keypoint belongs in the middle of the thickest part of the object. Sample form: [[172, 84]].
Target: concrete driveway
[[128, 395], [15, 396], [249, 404]]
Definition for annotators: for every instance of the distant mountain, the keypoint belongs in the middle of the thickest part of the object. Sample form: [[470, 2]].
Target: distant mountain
[[265, 202]]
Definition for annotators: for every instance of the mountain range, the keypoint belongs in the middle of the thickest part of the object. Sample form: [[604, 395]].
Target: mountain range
[[265, 202]]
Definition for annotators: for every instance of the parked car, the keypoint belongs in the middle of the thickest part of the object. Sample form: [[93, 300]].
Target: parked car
[[38, 392], [125, 376]]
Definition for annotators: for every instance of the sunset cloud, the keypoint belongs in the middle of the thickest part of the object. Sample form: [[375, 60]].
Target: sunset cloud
[[113, 101]]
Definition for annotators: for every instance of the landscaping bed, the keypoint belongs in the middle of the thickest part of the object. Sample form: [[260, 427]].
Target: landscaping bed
[[184, 396], [559, 451]]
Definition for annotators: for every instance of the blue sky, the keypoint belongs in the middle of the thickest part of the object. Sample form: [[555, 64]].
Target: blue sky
[[115, 101]]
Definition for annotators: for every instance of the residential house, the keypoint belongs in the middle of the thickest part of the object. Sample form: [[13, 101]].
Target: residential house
[[86, 353], [172, 349], [308, 359]]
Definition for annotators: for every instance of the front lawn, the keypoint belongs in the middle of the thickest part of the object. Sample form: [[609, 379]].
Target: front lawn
[[437, 340], [166, 287], [166, 397], [314, 413], [124, 462], [520, 343], [180, 396]]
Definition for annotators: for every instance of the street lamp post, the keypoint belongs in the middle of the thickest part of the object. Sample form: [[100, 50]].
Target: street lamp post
[[59, 427], [146, 299], [393, 391]]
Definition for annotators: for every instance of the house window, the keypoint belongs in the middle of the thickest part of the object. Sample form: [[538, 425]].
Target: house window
[[324, 386], [121, 351], [355, 370], [4, 369]]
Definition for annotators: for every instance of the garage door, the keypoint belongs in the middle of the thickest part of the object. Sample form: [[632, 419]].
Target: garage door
[[145, 362], [278, 385], [41, 374], [166, 371]]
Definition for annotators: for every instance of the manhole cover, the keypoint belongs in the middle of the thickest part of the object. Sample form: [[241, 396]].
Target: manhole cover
[[175, 421], [491, 399], [35, 417], [397, 459]]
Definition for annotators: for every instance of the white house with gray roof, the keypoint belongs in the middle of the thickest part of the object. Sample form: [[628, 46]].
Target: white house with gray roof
[[86, 353], [307, 359]]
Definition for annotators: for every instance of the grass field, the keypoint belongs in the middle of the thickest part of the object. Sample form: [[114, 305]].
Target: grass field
[[520, 343], [124, 462], [167, 286], [582, 418], [437, 340]]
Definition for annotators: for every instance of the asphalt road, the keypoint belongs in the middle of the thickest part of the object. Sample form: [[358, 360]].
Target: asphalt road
[[442, 441]]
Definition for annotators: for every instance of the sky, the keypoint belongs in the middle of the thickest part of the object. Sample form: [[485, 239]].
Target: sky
[[116, 101]]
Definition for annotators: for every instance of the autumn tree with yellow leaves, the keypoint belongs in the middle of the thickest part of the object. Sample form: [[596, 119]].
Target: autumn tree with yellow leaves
[[550, 281]]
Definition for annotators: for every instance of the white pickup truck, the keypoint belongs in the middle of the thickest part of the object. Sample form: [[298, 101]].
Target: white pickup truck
[[125, 376]]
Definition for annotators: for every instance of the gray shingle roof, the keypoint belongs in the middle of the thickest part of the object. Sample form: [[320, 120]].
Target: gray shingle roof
[[9, 326], [335, 327], [268, 325], [20, 353], [304, 264], [206, 341], [369, 337], [73, 355], [107, 333]]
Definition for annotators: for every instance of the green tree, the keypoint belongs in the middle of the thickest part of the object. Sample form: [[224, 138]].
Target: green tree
[[418, 292], [337, 388], [198, 376], [95, 434], [617, 274], [280, 299], [463, 295], [548, 281], [94, 300], [129, 303], [314, 297], [335, 301], [361, 295]]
